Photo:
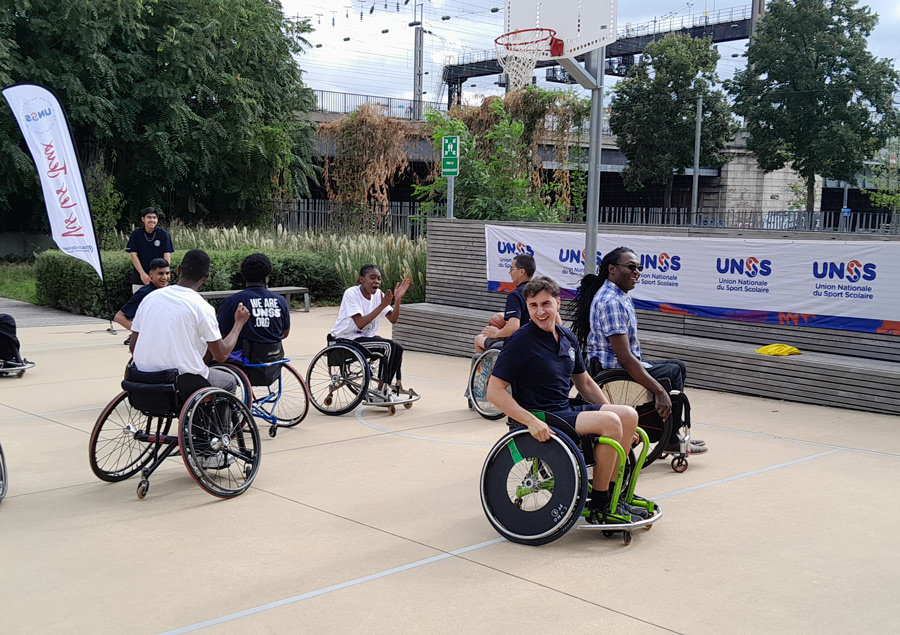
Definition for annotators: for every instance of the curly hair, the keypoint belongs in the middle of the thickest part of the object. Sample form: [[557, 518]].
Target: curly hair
[[590, 285], [256, 268]]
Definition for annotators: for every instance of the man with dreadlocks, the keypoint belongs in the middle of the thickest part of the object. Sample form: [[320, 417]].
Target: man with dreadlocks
[[606, 326]]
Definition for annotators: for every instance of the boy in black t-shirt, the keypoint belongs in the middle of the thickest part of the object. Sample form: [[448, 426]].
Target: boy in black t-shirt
[[145, 244], [515, 315], [159, 274], [539, 361], [270, 320]]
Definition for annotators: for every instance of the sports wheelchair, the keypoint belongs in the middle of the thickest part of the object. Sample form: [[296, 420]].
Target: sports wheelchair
[[4, 479], [476, 387], [11, 360], [620, 388], [339, 378], [217, 437], [533, 492], [281, 398]]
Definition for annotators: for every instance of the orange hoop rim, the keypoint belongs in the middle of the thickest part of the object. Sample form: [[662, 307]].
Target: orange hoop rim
[[546, 35]]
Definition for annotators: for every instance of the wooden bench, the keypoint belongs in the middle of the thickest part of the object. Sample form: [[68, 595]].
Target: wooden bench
[[287, 292], [836, 368]]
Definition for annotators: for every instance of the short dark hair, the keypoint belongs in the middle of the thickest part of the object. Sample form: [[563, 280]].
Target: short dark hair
[[150, 210], [526, 262], [541, 283], [367, 268], [195, 265], [256, 268], [158, 263]]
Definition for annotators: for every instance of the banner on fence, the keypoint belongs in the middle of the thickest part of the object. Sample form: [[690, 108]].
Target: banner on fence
[[46, 132], [826, 284]]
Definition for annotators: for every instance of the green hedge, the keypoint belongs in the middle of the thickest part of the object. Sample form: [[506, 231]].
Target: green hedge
[[72, 285]]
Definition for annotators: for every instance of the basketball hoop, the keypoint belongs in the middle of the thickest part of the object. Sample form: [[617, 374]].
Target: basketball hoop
[[517, 53]]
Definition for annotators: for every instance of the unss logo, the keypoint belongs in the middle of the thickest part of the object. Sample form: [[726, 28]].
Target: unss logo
[[852, 271], [750, 267], [514, 248], [662, 263]]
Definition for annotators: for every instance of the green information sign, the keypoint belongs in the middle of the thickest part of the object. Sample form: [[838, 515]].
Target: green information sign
[[450, 156]]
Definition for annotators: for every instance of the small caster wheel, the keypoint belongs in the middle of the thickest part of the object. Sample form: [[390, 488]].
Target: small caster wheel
[[408, 405], [142, 489], [679, 464], [328, 400], [607, 533], [273, 431], [626, 537], [20, 374], [648, 527], [392, 410], [471, 405]]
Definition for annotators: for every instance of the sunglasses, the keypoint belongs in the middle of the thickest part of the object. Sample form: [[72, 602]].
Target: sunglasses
[[631, 266]]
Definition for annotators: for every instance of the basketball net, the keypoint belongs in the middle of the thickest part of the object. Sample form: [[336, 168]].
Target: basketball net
[[517, 53]]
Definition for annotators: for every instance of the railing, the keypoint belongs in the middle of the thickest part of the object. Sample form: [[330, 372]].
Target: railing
[[342, 103], [315, 215]]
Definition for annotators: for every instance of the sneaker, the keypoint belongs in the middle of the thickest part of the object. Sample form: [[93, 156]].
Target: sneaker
[[217, 461], [675, 448], [127, 341], [603, 517], [634, 510]]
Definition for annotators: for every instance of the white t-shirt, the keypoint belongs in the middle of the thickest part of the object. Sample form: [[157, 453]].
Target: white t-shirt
[[355, 303], [175, 323]]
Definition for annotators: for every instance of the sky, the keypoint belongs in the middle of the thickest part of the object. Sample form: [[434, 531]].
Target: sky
[[366, 46]]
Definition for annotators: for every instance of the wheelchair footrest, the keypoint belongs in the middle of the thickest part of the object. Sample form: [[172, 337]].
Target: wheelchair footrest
[[646, 522]]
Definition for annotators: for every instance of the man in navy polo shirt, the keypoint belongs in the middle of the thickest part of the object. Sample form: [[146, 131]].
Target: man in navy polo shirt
[[145, 244], [539, 361], [521, 270], [270, 320], [159, 277]]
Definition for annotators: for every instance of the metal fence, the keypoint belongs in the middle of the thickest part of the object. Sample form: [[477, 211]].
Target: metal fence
[[315, 215], [330, 101]]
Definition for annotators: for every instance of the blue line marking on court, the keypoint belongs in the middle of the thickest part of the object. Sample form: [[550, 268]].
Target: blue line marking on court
[[329, 589], [443, 556], [362, 420]]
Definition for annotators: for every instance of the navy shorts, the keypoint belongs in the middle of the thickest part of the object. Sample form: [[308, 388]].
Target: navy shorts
[[571, 414]]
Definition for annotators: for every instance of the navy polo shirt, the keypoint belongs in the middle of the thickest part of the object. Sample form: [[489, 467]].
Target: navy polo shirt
[[540, 368], [269, 316], [131, 307], [147, 247], [516, 307]]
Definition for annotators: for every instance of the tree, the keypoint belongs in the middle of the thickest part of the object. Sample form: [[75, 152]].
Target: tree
[[812, 95], [886, 178], [653, 112], [193, 105]]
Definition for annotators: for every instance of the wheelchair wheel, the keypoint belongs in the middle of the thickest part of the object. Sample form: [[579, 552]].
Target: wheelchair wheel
[[532, 492], [114, 453], [620, 388], [219, 442], [292, 405], [478, 381], [243, 391], [4, 480], [338, 379]]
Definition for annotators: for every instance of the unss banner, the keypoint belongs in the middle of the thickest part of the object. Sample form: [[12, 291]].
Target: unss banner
[[847, 285]]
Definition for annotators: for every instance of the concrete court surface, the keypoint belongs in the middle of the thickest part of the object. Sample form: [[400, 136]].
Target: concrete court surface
[[368, 523]]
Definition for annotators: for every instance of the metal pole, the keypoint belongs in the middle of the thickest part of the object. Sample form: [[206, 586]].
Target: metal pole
[[418, 55], [594, 65], [696, 180], [451, 181]]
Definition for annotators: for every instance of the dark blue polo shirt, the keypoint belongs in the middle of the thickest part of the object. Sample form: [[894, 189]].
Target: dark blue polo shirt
[[516, 307], [540, 368], [147, 247], [269, 316], [131, 307]]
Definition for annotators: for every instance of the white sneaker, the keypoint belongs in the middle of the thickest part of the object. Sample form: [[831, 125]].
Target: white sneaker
[[216, 461]]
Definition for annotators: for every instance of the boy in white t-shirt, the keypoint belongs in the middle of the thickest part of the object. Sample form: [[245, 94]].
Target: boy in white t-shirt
[[361, 308]]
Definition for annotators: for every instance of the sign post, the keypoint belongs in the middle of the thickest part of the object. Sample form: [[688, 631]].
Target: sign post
[[450, 167]]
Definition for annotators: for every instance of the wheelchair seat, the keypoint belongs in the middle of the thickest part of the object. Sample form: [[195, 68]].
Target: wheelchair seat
[[262, 361], [160, 392]]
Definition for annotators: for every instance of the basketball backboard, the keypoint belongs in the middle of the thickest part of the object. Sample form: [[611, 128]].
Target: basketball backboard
[[583, 25]]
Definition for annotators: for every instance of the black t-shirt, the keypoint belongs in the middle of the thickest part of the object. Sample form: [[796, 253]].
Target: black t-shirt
[[540, 368], [516, 307], [131, 307], [269, 316], [147, 247]]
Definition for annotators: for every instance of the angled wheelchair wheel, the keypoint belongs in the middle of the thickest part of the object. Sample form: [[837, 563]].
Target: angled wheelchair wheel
[[114, 452], [4, 480], [219, 441], [532, 492], [478, 381], [338, 379], [290, 403], [620, 388], [243, 391]]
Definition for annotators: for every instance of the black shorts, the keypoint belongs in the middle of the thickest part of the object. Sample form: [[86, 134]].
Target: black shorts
[[571, 414], [493, 342]]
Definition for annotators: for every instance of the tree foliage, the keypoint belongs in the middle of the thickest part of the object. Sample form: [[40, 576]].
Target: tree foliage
[[654, 112], [886, 177], [812, 95], [193, 105]]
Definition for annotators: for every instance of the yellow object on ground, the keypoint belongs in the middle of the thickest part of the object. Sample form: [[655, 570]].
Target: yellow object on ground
[[779, 350]]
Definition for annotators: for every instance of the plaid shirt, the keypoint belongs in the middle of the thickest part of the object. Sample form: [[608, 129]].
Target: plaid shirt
[[612, 313]]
